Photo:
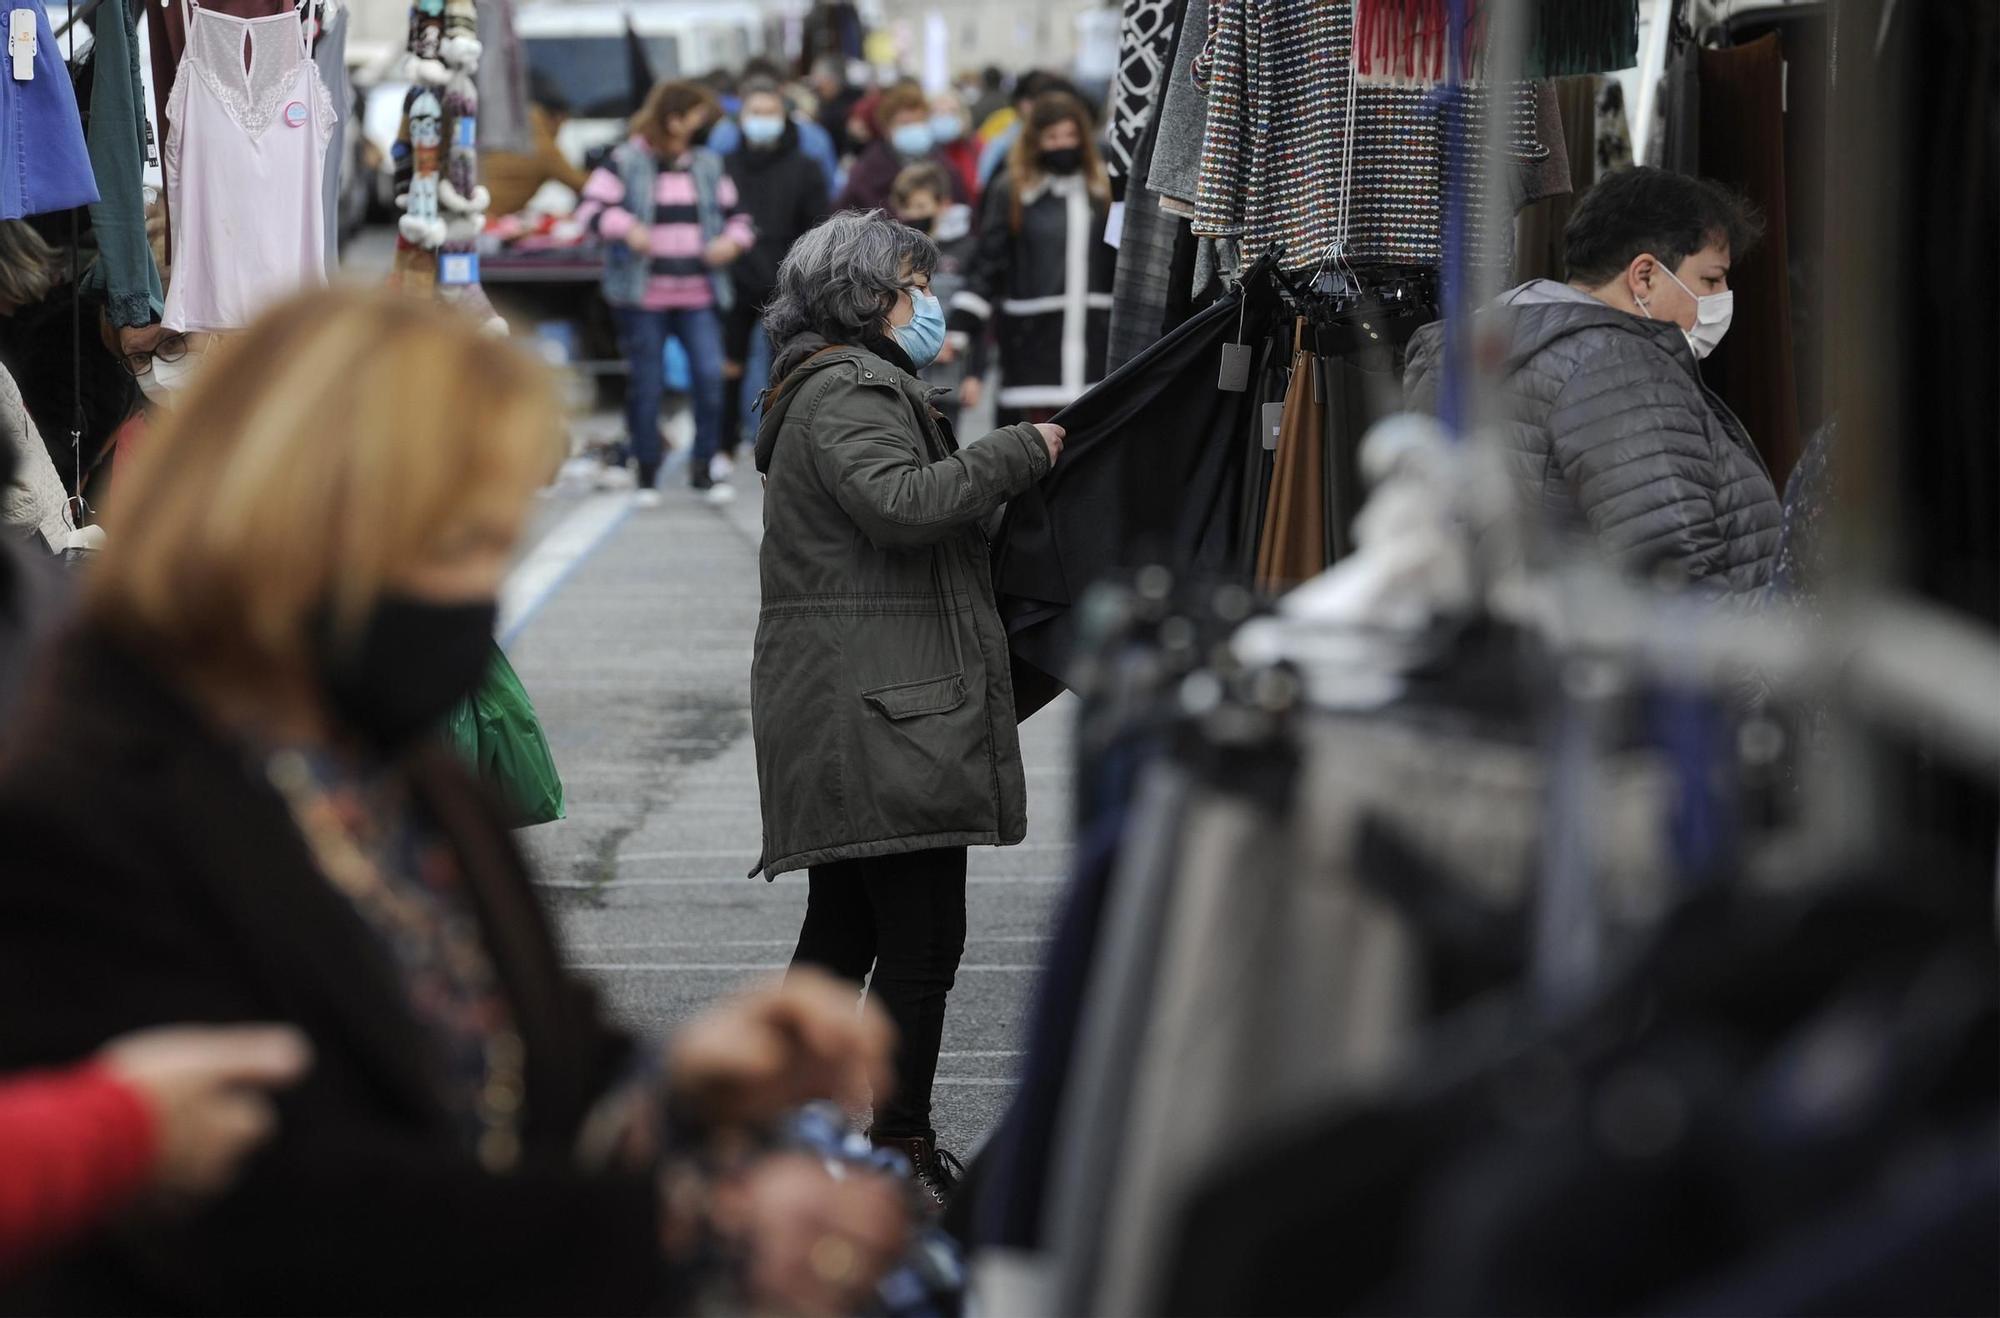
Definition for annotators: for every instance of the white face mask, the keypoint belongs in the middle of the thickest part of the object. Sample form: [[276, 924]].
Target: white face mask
[[1712, 315], [166, 378]]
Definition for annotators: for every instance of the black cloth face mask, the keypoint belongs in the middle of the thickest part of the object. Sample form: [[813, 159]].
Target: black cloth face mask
[[1066, 161], [412, 660]]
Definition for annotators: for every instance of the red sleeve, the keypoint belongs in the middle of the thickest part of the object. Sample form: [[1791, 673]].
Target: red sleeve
[[75, 1147]]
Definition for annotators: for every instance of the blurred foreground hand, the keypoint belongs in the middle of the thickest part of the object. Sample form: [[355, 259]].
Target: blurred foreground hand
[[810, 1244], [209, 1091], [761, 1054]]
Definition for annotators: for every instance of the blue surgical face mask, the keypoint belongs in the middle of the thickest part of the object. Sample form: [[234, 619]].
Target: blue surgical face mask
[[912, 139], [946, 128], [923, 337], [763, 129]]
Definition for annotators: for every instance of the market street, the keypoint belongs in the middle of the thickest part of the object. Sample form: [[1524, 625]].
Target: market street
[[638, 660]]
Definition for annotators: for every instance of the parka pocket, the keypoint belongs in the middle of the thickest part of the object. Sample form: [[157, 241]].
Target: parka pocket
[[930, 695]]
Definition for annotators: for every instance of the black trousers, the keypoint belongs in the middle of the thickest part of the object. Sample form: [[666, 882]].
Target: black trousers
[[738, 324], [904, 917]]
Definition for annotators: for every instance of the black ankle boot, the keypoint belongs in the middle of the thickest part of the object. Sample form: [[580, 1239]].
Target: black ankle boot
[[936, 1172]]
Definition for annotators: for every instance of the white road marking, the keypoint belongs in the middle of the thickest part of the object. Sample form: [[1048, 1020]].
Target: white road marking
[[541, 574], [777, 942], [761, 967], [587, 885], [625, 856]]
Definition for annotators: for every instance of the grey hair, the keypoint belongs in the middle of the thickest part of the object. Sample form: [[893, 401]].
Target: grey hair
[[759, 85], [27, 264], [840, 280]]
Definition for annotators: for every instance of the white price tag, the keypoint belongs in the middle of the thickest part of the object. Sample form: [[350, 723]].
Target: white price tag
[[21, 42]]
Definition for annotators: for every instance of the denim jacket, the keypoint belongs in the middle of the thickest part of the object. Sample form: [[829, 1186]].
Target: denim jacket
[[43, 163], [624, 269]]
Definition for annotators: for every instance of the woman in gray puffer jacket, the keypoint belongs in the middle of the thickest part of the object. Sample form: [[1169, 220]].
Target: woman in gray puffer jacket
[[880, 698], [1611, 432]]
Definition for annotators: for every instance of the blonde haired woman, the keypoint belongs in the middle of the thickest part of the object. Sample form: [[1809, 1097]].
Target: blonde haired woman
[[226, 805]]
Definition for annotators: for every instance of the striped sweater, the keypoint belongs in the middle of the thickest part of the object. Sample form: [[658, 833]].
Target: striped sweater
[[678, 278]]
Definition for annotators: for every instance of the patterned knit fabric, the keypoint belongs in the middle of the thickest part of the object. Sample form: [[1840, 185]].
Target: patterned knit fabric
[[1145, 43], [1274, 161]]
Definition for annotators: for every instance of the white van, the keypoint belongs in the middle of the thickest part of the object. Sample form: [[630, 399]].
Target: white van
[[584, 53]]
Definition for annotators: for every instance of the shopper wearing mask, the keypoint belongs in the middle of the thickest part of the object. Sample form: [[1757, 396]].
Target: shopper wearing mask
[[880, 697], [1041, 276], [672, 227], [904, 118], [922, 200], [951, 130], [1614, 438], [784, 193], [229, 805]]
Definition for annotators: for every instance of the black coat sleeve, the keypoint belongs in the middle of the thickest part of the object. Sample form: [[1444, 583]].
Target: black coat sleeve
[[986, 278]]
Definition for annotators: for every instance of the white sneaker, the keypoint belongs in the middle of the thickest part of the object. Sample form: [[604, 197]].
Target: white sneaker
[[646, 499], [717, 495], [721, 467]]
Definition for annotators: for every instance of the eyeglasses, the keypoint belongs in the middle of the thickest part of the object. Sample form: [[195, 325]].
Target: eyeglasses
[[170, 349]]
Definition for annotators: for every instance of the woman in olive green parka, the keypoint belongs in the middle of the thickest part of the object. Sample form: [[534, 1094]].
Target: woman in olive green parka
[[880, 698]]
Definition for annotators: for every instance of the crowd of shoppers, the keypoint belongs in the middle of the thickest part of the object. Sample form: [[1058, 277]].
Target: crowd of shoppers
[[741, 168]]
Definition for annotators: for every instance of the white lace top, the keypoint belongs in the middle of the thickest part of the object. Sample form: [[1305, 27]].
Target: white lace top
[[246, 148]]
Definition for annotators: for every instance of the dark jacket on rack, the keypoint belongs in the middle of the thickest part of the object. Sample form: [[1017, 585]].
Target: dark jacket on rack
[[783, 190], [1612, 433], [879, 691], [153, 875], [1045, 288]]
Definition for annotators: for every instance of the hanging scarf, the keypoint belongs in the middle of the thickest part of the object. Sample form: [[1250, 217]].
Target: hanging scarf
[[1407, 42]]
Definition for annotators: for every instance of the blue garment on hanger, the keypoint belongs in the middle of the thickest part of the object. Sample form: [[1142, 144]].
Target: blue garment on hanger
[[44, 164]]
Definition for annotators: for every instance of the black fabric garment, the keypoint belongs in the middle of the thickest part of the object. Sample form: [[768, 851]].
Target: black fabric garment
[[1929, 370], [35, 347], [1362, 372], [890, 351], [903, 917], [1150, 473], [154, 876], [34, 595], [742, 320], [1683, 1128]]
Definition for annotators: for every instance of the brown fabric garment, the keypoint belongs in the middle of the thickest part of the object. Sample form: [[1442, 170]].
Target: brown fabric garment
[[1293, 547], [1743, 145], [513, 177], [167, 35], [1538, 241]]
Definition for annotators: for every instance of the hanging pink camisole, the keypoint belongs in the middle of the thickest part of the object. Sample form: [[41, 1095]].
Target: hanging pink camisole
[[244, 168]]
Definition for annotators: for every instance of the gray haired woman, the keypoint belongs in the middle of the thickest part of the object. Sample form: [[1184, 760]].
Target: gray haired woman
[[880, 697]]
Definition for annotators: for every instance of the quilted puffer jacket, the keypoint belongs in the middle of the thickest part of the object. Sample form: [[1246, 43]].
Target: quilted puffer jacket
[[1613, 434]]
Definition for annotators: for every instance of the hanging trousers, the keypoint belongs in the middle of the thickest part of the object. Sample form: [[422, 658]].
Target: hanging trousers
[[904, 918], [1293, 546]]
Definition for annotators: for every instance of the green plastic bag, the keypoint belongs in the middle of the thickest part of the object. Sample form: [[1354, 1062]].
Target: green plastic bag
[[497, 733]]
